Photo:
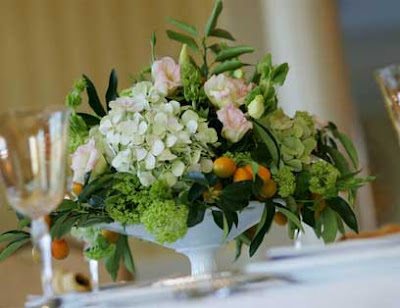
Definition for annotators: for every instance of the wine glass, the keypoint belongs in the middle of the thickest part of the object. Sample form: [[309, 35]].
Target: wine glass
[[33, 158], [388, 79]]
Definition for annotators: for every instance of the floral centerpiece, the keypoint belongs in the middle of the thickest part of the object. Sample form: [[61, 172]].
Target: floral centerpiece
[[193, 136]]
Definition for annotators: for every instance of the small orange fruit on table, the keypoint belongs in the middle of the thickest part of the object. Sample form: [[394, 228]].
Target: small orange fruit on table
[[263, 172], [241, 174], [59, 249], [268, 190], [224, 167], [77, 188], [111, 236], [280, 219]]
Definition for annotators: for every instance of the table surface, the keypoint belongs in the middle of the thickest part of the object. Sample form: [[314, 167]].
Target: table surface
[[358, 278]]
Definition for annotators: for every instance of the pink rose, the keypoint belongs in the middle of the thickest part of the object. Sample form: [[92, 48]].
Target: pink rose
[[235, 124], [84, 160], [166, 75], [222, 90]]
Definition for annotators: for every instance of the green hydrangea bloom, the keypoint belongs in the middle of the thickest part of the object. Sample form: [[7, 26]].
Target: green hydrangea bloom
[[100, 249], [296, 137], [88, 235], [323, 179], [286, 182], [165, 220]]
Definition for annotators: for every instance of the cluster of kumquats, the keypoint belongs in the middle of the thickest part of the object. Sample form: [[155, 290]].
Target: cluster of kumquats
[[226, 168]]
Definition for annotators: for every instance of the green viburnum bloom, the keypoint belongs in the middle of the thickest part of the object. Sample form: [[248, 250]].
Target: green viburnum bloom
[[74, 97], [190, 78], [78, 132], [165, 220], [286, 182], [295, 136], [100, 249], [240, 158], [127, 199], [323, 179]]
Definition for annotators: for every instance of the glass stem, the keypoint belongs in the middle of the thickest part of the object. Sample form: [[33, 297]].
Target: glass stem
[[42, 239], [94, 274]]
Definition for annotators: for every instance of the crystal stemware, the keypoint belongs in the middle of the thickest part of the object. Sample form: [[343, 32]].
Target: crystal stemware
[[33, 158], [388, 79]]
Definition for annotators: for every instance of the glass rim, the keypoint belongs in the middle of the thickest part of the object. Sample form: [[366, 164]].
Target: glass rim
[[34, 111]]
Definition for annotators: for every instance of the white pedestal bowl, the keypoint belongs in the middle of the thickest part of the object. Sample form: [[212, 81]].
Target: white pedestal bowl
[[202, 241]]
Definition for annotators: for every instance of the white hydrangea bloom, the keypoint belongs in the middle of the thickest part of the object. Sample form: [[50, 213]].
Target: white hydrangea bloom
[[155, 138]]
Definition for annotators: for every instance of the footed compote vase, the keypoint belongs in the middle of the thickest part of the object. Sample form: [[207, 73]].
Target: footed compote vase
[[202, 241]]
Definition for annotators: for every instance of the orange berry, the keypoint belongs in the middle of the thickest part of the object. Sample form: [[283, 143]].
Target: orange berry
[[111, 236], [213, 192], [77, 188], [241, 174], [59, 249], [263, 172], [268, 189], [224, 167], [280, 219]]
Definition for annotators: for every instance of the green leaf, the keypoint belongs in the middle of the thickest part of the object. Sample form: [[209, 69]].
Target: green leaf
[[341, 207], [225, 228], [339, 160], [113, 261], [262, 227], [13, 235], [12, 247], [183, 26], [229, 65], [196, 191], [291, 216], [94, 100], [66, 225], [90, 120], [212, 20], [66, 205], [279, 73], [347, 144], [97, 201], [239, 245], [95, 220], [218, 219], [99, 183], [127, 255], [236, 196], [330, 225], [24, 222], [233, 52], [268, 140], [57, 223], [112, 91], [184, 39], [196, 214], [340, 224], [221, 33], [215, 48]]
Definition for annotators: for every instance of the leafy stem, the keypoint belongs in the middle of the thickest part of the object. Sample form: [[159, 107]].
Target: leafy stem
[[205, 65]]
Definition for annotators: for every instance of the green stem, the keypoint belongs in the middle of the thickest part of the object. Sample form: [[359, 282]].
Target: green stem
[[205, 65]]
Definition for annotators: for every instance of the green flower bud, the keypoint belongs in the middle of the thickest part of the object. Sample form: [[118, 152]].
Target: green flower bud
[[256, 107]]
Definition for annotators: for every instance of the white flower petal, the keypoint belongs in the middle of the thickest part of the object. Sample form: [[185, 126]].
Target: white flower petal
[[189, 115], [140, 153], [206, 165], [150, 162], [166, 155], [146, 178], [142, 128], [157, 147], [191, 126], [178, 167], [169, 178], [171, 140]]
